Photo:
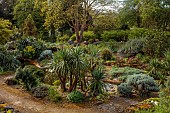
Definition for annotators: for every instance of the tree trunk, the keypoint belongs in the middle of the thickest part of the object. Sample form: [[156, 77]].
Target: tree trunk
[[71, 83], [63, 83], [81, 31]]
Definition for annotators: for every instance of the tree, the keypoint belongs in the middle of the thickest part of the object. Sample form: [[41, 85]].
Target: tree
[[155, 14], [105, 21], [77, 14], [22, 9], [68, 65], [5, 30], [6, 9], [129, 14], [25, 7], [146, 13], [29, 28]]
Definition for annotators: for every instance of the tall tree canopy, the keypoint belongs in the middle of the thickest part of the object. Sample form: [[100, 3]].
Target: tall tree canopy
[[5, 30], [77, 13], [29, 28]]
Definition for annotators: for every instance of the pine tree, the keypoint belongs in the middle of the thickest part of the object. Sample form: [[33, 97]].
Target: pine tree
[[29, 28]]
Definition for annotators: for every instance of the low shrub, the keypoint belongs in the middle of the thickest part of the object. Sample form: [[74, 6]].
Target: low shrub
[[30, 48], [75, 96], [138, 32], [116, 35], [143, 84], [63, 38], [8, 61], [106, 54], [87, 35], [124, 89], [124, 71], [45, 54], [30, 76], [54, 95], [132, 47]]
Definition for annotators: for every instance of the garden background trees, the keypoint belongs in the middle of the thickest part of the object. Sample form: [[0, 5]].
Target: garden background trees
[[152, 14], [5, 30], [78, 14]]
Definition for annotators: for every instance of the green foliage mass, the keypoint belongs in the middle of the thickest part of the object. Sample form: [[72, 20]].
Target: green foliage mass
[[142, 83], [6, 30], [19, 14], [87, 35], [106, 54], [30, 48], [30, 76], [75, 96], [156, 43], [116, 35], [29, 28], [54, 95], [124, 89], [8, 61]]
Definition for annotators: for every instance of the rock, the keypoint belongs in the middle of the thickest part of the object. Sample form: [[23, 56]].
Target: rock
[[11, 81], [40, 91]]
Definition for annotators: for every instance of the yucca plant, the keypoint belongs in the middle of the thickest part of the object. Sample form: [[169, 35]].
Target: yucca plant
[[61, 66], [97, 86], [69, 63], [77, 64]]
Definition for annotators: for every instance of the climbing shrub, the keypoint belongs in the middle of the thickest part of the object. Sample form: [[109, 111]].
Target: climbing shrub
[[75, 96]]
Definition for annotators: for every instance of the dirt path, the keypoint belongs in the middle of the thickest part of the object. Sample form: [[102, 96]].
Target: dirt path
[[25, 103]]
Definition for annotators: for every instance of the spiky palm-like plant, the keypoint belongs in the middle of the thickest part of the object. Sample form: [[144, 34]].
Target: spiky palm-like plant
[[97, 86], [61, 66]]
